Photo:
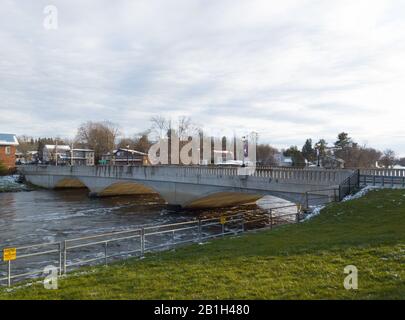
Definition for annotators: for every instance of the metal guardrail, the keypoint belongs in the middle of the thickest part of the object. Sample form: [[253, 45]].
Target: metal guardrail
[[168, 235], [382, 172], [382, 181], [146, 239], [54, 248], [328, 195], [321, 197]]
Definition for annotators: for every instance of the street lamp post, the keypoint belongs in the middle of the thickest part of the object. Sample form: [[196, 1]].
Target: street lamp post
[[128, 155], [56, 152], [71, 155], [244, 150]]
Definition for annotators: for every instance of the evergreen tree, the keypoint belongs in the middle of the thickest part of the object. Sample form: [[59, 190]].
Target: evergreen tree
[[308, 151], [388, 158], [343, 140], [296, 156], [321, 145]]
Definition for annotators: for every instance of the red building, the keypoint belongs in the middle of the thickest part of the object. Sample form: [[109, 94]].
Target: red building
[[8, 145]]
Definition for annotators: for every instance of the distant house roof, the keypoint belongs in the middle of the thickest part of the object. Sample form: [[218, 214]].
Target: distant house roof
[[84, 150], [131, 151], [334, 158], [282, 158], [219, 151], [53, 146], [7, 139]]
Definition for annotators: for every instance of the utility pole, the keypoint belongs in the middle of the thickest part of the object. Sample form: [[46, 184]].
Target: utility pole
[[245, 150], [56, 152]]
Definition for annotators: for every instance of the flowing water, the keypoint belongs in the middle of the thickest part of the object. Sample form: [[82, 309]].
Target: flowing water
[[44, 216]]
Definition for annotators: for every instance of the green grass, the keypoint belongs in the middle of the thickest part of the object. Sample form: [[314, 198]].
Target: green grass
[[303, 261]]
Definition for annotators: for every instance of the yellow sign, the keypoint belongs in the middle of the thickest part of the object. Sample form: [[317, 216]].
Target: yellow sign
[[9, 254], [223, 220]]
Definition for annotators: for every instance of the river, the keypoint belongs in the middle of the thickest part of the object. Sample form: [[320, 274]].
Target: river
[[53, 215], [44, 216]]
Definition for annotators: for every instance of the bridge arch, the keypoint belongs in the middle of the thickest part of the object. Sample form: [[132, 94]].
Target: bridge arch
[[70, 182], [125, 188], [223, 199], [231, 197]]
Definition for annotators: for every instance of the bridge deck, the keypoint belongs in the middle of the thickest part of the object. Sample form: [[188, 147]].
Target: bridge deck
[[192, 185]]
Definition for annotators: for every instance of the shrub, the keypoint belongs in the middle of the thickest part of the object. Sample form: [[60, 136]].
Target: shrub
[[3, 169]]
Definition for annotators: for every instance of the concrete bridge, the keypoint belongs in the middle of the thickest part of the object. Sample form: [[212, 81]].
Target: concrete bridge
[[192, 186]]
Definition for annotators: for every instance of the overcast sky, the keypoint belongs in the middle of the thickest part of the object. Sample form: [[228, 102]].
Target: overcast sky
[[285, 69]]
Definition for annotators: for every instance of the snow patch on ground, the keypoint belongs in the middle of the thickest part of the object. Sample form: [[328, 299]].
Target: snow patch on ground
[[359, 194], [316, 210]]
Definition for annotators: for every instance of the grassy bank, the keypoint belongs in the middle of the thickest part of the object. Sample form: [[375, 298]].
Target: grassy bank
[[304, 261]]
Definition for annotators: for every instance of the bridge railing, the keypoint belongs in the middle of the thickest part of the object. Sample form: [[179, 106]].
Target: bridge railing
[[348, 186], [334, 194], [333, 176], [383, 172], [309, 175], [394, 178], [319, 197], [383, 181]]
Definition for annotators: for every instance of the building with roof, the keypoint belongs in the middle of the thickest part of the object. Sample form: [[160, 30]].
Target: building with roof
[[283, 161], [64, 155], [125, 157], [28, 157], [80, 157], [55, 154], [8, 145]]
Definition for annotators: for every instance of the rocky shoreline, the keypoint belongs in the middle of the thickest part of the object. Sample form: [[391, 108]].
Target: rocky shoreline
[[13, 183]]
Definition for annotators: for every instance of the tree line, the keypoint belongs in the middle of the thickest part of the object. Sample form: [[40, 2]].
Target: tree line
[[105, 136], [345, 148]]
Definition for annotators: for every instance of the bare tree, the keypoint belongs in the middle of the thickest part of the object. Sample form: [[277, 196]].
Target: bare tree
[[186, 128], [388, 158], [126, 143], [356, 156], [26, 144], [142, 142], [99, 136], [265, 154], [183, 127], [160, 126]]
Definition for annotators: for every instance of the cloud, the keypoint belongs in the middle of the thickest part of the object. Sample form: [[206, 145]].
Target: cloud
[[288, 70]]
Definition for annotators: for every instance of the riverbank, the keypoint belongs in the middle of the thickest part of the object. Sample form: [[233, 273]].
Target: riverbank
[[304, 261], [11, 183]]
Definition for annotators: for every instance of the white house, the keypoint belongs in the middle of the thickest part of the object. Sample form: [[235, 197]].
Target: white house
[[52, 153], [283, 161]]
